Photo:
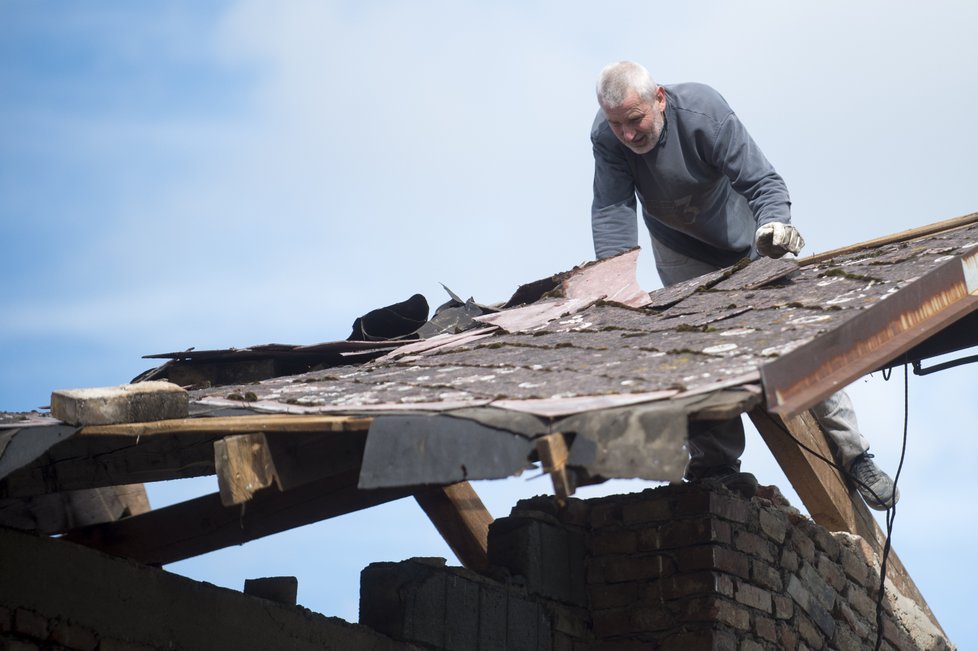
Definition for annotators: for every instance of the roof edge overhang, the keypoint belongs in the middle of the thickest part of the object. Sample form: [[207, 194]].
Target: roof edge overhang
[[873, 338]]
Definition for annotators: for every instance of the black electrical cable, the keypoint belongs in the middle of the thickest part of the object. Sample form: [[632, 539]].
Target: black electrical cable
[[891, 512]]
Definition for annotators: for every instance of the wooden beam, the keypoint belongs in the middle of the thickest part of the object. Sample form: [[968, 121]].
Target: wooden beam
[[827, 496], [553, 453], [204, 524], [462, 520], [246, 463], [244, 466], [226, 425], [134, 453], [912, 234]]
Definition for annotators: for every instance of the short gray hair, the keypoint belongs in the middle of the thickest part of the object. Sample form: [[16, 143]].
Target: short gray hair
[[618, 78]]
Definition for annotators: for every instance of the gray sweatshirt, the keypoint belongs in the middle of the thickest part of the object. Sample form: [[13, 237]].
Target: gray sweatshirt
[[705, 188]]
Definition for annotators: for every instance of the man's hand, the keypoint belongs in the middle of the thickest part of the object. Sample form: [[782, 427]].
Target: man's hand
[[775, 239]]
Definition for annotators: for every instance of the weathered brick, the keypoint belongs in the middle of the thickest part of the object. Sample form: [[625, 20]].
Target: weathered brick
[[822, 591], [787, 636], [766, 576], [725, 585], [606, 543], [861, 602], [832, 573], [803, 544], [604, 514], [774, 524], [574, 512], [789, 560], [844, 613], [716, 610], [765, 628], [754, 545], [846, 640], [695, 531], [684, 585], [704, 557], [623, 621], [619, 569], [73, 636], [30, 624], [604, 596], [826, 542], [808, 631], [799, 593], [896, 636], [726, 507], [650, 510], [857, 569], [783, 606], [754, 597], [571, 620]]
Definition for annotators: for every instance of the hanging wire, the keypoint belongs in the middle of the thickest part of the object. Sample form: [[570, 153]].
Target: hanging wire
[[891, 512]]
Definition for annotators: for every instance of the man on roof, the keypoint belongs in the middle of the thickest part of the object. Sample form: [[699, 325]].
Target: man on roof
[[709, 198]]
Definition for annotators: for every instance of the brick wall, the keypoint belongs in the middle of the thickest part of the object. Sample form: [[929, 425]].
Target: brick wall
[[55, 595], [684, 568]]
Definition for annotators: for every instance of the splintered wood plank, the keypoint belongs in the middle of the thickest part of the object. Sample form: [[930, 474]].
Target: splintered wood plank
[[829, 500], [204, 525], [462, 520], [244, 466]]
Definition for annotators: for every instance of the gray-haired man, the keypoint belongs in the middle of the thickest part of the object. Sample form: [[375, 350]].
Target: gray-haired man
[[709, 198]]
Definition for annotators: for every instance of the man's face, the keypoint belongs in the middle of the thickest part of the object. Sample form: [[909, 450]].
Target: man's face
[[637, 122]]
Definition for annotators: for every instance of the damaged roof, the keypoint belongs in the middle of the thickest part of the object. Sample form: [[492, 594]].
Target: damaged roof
[[584, 371]]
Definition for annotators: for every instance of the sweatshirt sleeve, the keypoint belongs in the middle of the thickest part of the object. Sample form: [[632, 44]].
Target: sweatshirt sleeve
[[740, 159], [614, 223]]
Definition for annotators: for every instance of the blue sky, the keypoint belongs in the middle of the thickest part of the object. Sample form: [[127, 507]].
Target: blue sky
[[177, 174]]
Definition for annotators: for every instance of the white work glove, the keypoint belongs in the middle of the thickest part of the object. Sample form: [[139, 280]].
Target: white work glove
[[775, 239]]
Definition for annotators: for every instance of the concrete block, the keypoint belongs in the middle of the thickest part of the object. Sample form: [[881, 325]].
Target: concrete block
[[549, 557], [283, 589], [128, 403]]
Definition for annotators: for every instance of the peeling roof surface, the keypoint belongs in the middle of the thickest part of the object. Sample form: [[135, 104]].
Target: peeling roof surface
[[715, 331]]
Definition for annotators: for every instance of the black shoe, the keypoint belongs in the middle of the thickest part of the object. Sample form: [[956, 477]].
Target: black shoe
[[874, 485], [742, 483]]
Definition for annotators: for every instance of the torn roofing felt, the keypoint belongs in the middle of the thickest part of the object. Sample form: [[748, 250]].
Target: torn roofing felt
[[845, 316]]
